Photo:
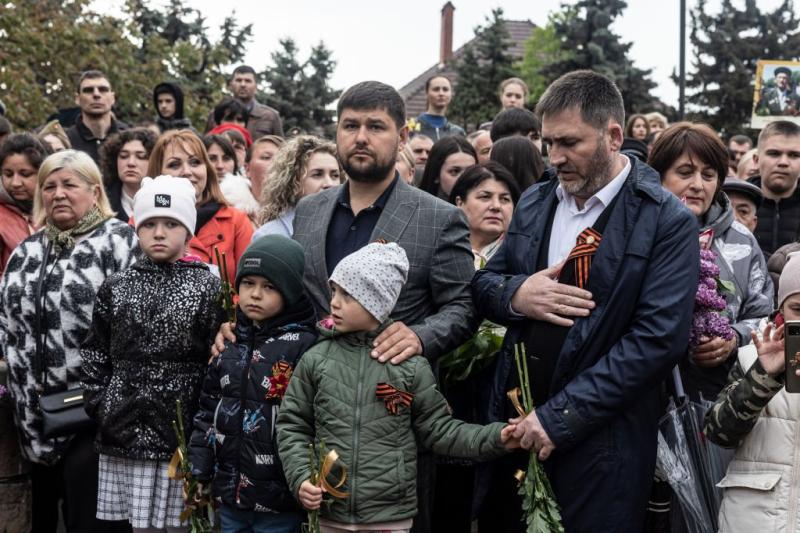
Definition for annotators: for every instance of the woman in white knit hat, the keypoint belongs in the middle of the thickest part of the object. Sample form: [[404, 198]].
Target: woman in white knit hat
[[756, 415]]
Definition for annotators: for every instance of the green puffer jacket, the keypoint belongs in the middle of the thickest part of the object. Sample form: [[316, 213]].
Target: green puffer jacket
[[332, 397]]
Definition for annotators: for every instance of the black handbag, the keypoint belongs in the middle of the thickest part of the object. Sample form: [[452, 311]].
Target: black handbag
[[62, 412]]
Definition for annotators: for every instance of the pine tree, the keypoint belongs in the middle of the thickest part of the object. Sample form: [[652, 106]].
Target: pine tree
[[585, 32], [321, 65], [484, 64], [289, 93], [300, 91], [727, 47]]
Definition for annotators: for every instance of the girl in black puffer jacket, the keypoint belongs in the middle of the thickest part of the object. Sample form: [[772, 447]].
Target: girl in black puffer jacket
[[234, 440], [147, 347]]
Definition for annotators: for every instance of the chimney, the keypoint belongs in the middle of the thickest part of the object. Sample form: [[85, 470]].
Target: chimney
[[446, 45]]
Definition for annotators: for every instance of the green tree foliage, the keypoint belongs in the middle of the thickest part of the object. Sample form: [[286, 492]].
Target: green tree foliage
[[542, 48], [583, 31], [727, 46], [300, 91], [322, 65], [48, 43], [484, 64]]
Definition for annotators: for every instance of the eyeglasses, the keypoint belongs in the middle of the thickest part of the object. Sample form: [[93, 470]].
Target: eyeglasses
[[104, 89]]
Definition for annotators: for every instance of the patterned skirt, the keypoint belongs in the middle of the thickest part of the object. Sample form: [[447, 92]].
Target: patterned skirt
[[138, 490]]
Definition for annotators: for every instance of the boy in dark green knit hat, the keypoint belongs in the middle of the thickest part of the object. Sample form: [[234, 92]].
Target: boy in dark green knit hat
[[233, 442]]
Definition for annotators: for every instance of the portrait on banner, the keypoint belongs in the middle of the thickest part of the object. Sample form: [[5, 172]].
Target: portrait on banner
[[777, 92]]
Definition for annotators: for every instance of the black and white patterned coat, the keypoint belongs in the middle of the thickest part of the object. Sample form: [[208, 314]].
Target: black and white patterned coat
[[71, 283], [148, 347]]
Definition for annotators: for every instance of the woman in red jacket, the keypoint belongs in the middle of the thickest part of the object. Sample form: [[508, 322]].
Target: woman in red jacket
[[181, 153], [20, 157]]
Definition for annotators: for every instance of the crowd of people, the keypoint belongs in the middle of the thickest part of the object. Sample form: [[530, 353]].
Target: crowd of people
[[297, 291]]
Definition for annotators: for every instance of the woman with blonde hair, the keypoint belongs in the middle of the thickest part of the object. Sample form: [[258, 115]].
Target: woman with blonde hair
[[513, 93], [304, 166], [181, 153], [54, 136], [47, 298]]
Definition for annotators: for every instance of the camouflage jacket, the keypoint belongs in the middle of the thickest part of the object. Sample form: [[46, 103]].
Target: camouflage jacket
[[740, 403]]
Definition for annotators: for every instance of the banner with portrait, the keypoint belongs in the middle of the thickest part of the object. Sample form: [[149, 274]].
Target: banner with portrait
[[777, 94]]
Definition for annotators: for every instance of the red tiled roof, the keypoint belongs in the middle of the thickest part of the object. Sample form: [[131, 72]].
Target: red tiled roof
[[414, 91]]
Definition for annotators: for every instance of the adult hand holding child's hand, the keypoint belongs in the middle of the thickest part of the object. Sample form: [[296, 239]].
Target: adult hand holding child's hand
[[310, 495]]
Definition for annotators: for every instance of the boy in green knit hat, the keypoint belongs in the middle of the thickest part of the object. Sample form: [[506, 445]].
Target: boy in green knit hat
[[233, 444], [372, 414]]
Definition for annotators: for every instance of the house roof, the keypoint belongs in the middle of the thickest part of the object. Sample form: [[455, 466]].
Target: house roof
[[413, 92]]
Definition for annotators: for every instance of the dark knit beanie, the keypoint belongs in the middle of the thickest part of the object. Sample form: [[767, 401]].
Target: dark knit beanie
[[279, 259]]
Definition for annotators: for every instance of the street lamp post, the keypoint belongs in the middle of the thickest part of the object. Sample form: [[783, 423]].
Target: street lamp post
[[682, 62]]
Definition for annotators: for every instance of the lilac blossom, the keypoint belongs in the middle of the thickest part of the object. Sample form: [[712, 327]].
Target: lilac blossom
[[708, 321]]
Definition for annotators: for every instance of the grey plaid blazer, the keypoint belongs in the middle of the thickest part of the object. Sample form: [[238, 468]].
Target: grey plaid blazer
[[435, 302]]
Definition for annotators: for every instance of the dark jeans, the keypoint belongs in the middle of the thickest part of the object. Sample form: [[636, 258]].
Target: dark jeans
[[72, 482], [239, 521], [501, 511], [452, 502], [426, 478]]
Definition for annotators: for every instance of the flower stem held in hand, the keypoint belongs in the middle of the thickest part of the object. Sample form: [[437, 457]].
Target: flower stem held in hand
[[540, 510]]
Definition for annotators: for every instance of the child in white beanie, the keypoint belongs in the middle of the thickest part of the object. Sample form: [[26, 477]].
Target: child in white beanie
[[147, 348], [372, 414]]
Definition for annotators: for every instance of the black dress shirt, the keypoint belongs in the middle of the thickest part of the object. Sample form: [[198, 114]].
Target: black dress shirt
[[347, 232]]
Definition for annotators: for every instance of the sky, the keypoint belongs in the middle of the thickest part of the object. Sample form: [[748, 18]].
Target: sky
[[394, 41]]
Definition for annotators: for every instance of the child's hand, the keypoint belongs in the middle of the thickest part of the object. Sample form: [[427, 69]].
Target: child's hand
[[507, 437], [770, 349], [310, 495]]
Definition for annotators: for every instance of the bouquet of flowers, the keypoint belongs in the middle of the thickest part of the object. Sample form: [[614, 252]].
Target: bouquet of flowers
[[709, 303], [226, 293], [539, 505], [321, 461], [199, 511]]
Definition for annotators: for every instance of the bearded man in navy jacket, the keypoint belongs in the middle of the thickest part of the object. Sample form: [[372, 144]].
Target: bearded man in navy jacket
[[596, 278]]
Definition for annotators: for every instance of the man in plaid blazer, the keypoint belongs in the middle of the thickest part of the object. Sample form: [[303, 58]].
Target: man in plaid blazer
[[434, 313]]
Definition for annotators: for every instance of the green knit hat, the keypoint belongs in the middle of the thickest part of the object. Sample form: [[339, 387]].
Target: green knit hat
[[279, 259]]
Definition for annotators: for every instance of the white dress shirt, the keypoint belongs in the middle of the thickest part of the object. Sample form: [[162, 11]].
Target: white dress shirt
[[569, 221]]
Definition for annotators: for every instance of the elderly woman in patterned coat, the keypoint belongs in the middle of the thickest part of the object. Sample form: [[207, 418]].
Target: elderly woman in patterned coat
[[693, 163], [46, 300]]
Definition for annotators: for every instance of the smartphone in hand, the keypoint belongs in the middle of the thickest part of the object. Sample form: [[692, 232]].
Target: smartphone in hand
[[792, 354]]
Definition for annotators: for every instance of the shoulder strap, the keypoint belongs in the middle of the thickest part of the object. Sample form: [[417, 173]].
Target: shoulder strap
[[40, 331]]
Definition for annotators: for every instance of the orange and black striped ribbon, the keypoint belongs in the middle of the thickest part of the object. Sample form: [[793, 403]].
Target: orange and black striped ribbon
[[587, 244], [393, 398]]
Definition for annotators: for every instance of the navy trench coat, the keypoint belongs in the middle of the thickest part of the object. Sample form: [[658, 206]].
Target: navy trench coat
[[604, 405]]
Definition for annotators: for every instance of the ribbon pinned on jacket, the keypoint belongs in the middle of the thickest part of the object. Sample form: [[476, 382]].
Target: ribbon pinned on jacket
[[393, 398], [513, 395], [587, 244]]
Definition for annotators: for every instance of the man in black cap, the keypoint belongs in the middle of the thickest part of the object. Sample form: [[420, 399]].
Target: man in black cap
[[780, 100], [745, 199]]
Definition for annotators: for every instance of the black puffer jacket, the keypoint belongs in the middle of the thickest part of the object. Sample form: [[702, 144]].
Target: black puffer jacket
[[778, 222], [147, 347], [235, 428]]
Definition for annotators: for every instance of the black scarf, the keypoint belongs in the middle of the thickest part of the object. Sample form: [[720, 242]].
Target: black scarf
[[205, 213]]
